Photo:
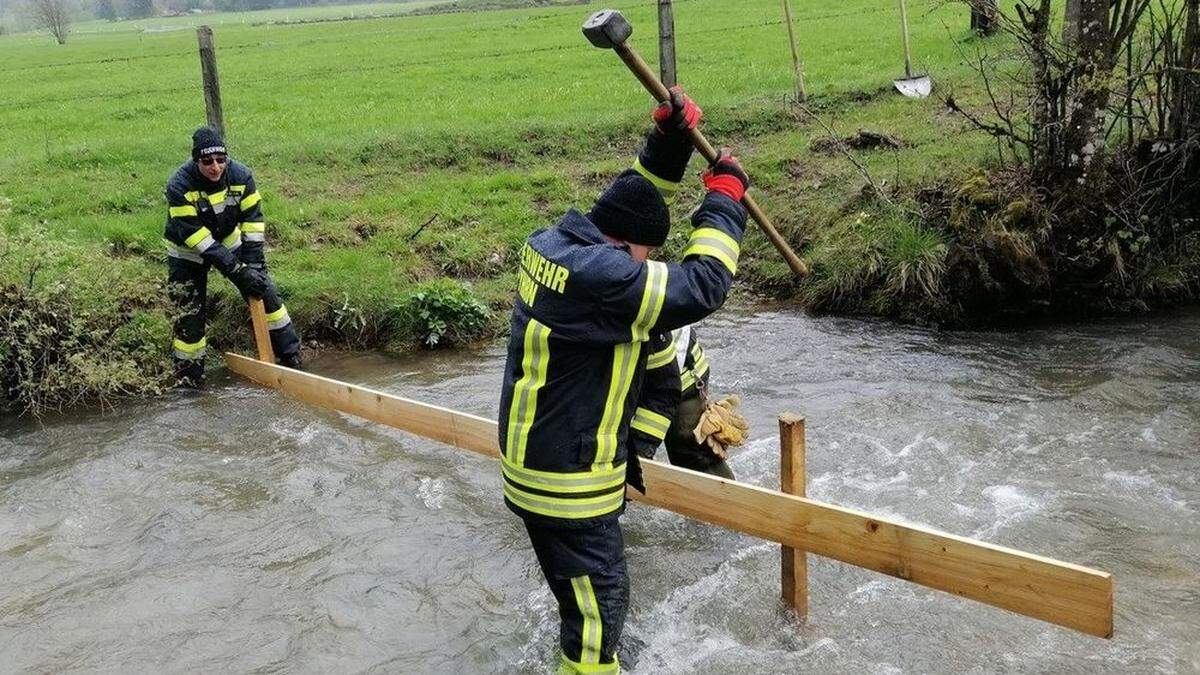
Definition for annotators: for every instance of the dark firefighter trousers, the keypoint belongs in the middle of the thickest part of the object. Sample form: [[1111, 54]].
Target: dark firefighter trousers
[[586, 572], [189, 291]]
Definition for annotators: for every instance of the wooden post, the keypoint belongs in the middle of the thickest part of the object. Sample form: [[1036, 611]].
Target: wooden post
[[262, 335], [666, 43], [797, 66], [212, 81], [794, 562]]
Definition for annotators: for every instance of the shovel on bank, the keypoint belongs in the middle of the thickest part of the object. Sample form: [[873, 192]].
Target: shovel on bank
[[912, 86]]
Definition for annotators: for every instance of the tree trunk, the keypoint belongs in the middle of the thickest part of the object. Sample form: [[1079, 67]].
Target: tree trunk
[[1071, 21], [1185, 110], [1083, 141]]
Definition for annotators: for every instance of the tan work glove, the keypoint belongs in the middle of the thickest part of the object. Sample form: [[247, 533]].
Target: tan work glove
[[722, 426]]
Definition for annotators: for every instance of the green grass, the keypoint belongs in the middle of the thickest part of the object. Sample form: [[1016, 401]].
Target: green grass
[[494, 122]]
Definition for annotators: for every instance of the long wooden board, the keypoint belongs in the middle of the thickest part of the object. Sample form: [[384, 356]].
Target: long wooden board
[[1061, 593]]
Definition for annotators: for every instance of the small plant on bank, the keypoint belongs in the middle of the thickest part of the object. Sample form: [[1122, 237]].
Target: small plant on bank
[[442, 313]]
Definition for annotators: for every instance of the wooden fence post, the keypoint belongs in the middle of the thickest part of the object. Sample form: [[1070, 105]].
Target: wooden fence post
[[212, 81], [666, 43], [262, 335], [794, 562], [797, 66]]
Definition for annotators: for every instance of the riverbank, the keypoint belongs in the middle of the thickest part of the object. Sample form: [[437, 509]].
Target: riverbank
[[404, 160]]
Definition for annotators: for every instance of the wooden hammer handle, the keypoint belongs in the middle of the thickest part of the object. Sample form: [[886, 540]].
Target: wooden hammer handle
[[659, 91]]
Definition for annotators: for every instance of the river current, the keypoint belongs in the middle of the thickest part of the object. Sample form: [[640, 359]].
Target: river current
[[240, 531]]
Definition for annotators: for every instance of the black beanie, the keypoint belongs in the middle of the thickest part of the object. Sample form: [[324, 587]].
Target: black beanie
[[207, 141], [632, 210]]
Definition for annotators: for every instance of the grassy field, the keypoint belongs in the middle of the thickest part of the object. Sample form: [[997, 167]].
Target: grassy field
[[493, 122]]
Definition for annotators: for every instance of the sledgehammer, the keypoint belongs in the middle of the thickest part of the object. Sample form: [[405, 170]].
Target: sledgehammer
[[608, 29]]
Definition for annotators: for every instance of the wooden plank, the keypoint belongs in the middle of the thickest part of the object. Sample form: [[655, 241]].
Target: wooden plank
[[1061, 593], [793, 562], [262, 335]]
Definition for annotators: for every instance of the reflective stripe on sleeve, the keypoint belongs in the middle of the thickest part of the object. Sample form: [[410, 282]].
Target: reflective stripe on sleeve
[[661, 358], [201, 240], [250, 200], [190, 351], [181, 253], [535, 360], [712, 242], [234, 239], [279, 318], [666, 187], [653, 297], [649, 422], [182, 211]]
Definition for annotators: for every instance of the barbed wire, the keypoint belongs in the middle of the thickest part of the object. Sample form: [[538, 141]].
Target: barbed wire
[[409, 63]]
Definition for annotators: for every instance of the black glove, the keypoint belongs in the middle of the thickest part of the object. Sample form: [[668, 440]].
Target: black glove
[[250, 281]]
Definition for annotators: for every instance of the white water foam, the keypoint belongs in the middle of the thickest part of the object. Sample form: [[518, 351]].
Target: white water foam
[[1010, 506]]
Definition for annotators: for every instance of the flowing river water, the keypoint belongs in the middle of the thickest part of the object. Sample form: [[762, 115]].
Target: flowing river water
[[240, 531]]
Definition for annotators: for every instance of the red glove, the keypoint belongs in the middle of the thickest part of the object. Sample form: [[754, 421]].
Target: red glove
[[679, 113], [726, 176]]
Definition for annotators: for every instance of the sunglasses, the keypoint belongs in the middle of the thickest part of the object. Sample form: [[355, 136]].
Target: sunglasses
[[214, 159]]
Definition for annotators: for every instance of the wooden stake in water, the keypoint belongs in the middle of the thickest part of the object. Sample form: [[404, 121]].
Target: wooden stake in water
[[794, 562], [211, 80], [262, 335]]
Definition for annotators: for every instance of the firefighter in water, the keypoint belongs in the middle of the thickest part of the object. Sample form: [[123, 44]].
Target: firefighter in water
[[587, 305], [215, 219], [675, 408]]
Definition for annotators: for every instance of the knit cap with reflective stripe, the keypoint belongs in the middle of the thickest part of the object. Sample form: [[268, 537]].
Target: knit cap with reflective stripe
[[207, 141], [633, 210]]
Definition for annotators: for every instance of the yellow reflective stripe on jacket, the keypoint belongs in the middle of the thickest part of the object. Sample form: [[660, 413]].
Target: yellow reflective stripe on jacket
[[200, 240], [248, 228], [661, 358], [216, 197], [624, 365], [250, 200], [563, 483], [237, 189], [523, 409], [712, 242], [182, 211], [666, 187], [233, 240], [592, 632], [565, 507], [649, 422], [568, 667], [192, 196], [653, 297]]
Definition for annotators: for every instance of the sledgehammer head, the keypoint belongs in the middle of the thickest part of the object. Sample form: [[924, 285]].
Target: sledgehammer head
[[607, 29]]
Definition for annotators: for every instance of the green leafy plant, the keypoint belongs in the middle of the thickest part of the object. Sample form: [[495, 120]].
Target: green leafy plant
[[443, 313]]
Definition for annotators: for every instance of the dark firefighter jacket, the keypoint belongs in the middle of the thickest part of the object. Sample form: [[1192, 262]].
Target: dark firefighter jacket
[[207, 222], [676, 369], [581, 329]]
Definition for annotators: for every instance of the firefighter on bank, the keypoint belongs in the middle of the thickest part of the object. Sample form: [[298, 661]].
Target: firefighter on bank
[[587, 305], [215, 219]]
